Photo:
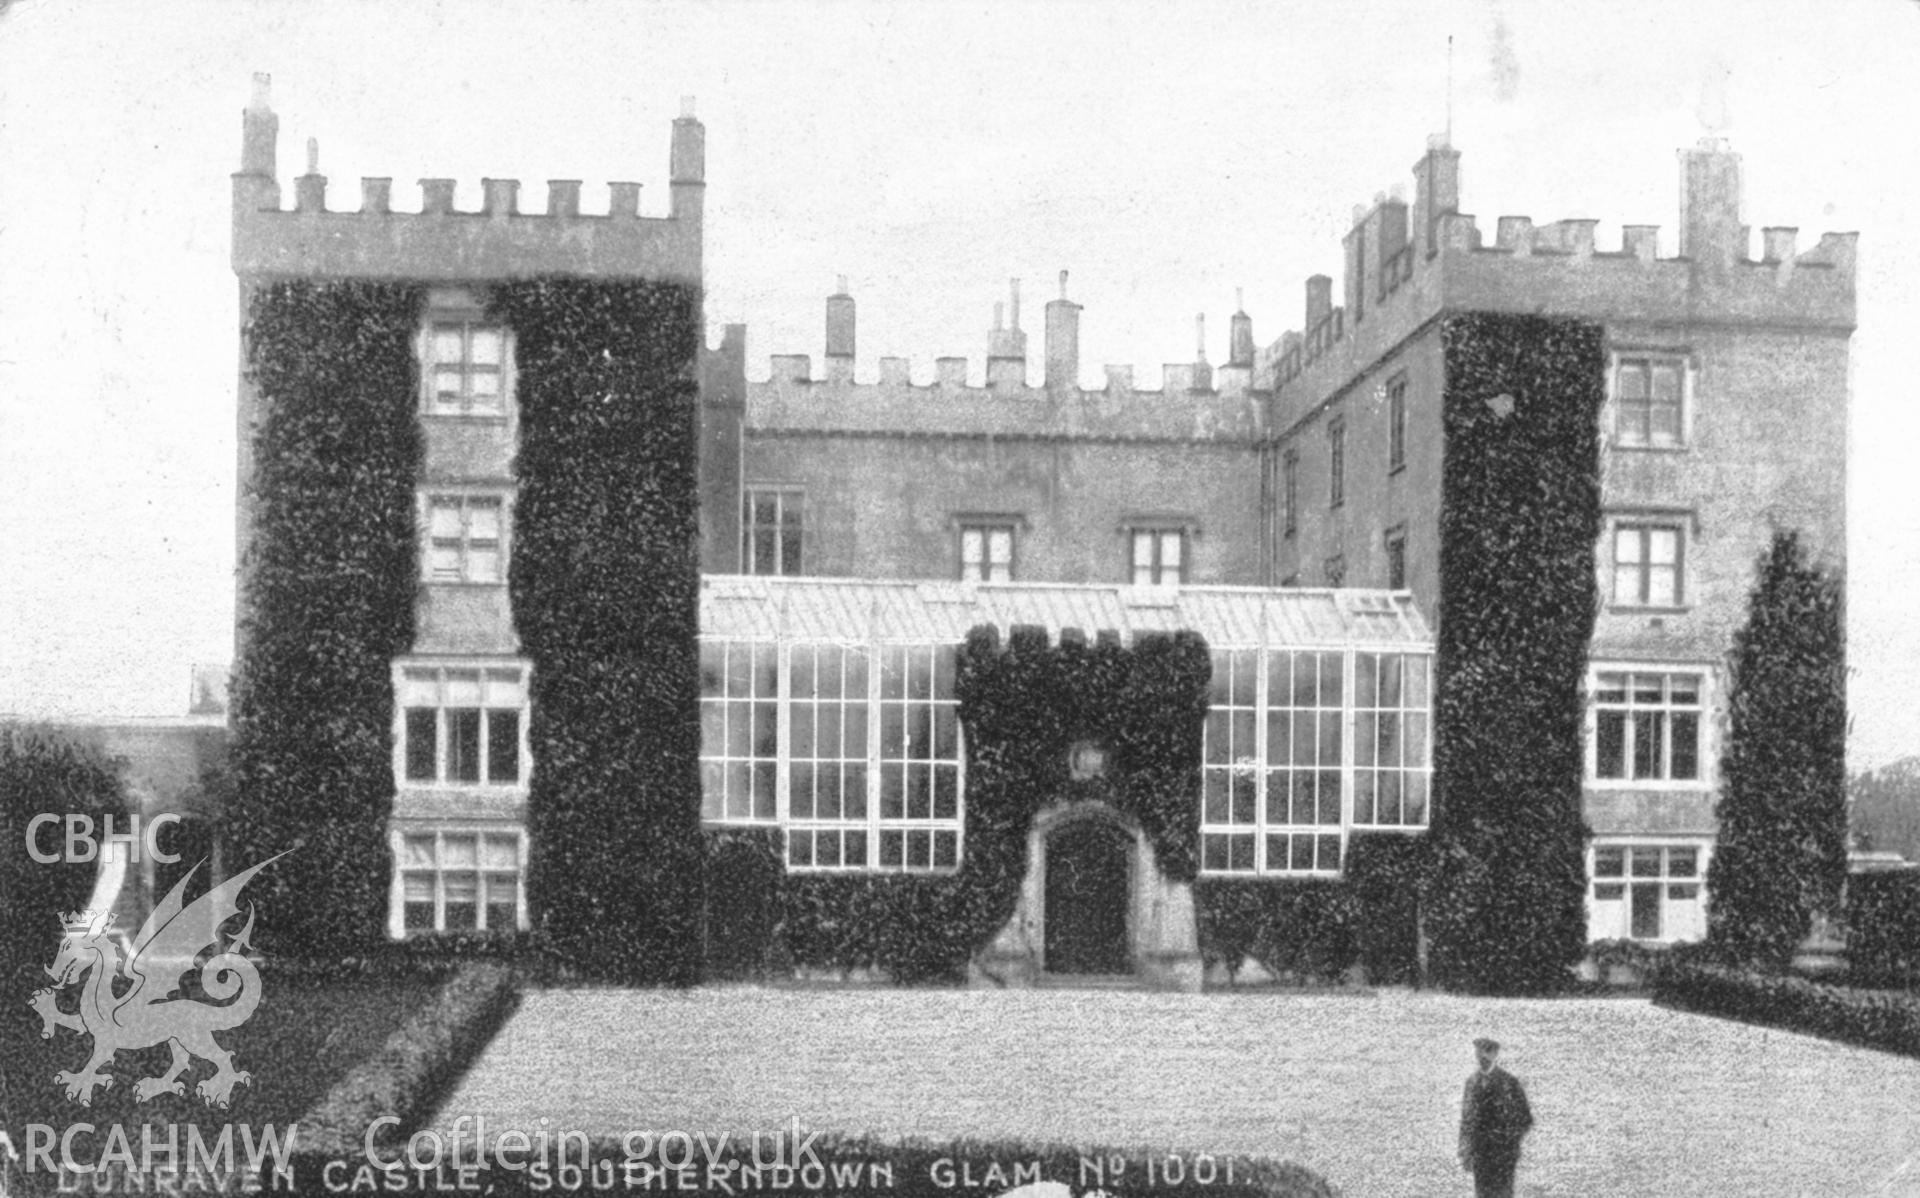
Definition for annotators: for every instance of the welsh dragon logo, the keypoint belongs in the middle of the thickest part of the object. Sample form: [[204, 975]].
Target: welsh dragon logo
[[137, 1003]]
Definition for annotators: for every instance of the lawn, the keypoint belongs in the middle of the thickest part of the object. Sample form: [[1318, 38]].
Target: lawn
[[1630, 1099], [305, 1034]]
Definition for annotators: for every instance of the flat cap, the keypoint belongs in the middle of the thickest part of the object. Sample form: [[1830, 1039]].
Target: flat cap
[[1486, 1044]]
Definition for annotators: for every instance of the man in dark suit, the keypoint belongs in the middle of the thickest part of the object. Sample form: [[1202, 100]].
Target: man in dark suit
[[1493, 1117]]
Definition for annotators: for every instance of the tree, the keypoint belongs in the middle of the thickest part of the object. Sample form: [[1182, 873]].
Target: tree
[[43, 771], [1884, 808], [1781, 855]]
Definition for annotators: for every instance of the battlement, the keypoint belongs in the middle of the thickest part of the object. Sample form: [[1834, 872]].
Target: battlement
[[441, 242], [1406, 264], [1195, 402]]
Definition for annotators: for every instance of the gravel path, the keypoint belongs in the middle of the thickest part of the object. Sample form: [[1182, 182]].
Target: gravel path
[[1630, 1099]]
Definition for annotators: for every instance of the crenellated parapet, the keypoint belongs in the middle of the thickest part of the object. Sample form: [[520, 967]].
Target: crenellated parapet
[[443, 243], [1195, 402], [1407, 263]]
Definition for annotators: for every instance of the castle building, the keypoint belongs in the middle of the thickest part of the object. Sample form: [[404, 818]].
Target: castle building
[[1725, 420], [461, 759], [1316, 461], [859, 539]]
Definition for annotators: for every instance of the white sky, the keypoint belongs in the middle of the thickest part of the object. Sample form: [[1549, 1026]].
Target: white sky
[[1163, 153]]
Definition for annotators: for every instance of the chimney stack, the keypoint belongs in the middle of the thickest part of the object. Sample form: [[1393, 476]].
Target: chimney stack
[[687, 178], [310, 189], [1007, 346], [259, 129], [840, 334], [1240, 332], [1436, 192], [1202, 370], [1319, 300], [1710, 230], [1063, 341]]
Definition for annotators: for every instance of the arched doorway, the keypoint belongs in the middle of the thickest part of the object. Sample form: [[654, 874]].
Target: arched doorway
[[1088, 895]]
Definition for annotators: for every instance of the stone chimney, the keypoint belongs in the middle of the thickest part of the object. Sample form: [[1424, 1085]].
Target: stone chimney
[[840, 334], [1240, 333], [1319, 300], [1710, 230], [310, 189], [1007, 345], [1436, 192], [255, 187], [259, 130], [1202, 370], [687, 179], [1063, 341]]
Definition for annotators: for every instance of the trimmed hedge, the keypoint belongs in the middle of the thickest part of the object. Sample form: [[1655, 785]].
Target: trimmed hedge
[[327, 597], [842, 1164], [1885, 1019], [418, 1064], [1321, 928], [1024, 705], [1882, 917], [1519, 519], [1781, 852], [1638, 955], [1304, 927], [1387, 873], [604, 584], [746, 879]]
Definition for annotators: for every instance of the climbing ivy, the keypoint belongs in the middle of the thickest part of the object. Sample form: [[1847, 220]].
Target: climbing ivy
[[1519, 518], [327, 590], [604, 583]]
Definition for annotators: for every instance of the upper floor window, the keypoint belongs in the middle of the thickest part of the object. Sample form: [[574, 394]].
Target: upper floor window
[[1649, 397], [854, 749], [1396, 425], [1290, 492], [986, 552], [1282, 784], [462, 724], [1396, 545], [465, 535], [1336, 462], [1158, 556], [771, 530], [466, 368], [1648, 564], [1647, 726], [1335, 570]]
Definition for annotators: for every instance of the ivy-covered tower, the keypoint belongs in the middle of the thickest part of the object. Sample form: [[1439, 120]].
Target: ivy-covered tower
[[1570, 453], [466, 687]]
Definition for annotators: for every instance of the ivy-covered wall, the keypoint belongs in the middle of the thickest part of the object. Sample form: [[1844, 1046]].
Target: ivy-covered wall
[[604, 583], [1519, 519], [1024, 705], [327, 590]]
